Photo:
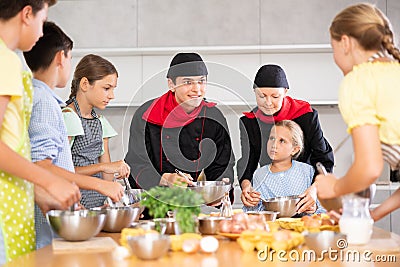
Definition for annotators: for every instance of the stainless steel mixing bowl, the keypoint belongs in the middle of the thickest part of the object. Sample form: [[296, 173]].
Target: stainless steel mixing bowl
[[149, 246], [286, 206], [209, 225], [76, 225], [212, 191], [118, 218]]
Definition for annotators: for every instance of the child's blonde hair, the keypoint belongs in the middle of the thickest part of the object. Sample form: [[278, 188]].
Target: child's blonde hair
[[297, 135], [368, 25]]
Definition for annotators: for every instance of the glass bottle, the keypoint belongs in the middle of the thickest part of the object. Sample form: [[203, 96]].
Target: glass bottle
[[356, 221]]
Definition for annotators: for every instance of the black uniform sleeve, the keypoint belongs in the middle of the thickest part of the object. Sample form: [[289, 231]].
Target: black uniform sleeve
[[251, 148], [143, 173], [222, 166]]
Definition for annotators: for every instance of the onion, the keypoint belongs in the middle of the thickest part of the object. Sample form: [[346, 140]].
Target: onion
[[191, 245], [237, 228], [225, 226]]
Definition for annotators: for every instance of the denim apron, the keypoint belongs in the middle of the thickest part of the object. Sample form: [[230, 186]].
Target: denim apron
[[86, 150]]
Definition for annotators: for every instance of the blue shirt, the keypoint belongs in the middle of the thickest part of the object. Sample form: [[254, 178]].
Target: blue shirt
[[49, 140], [47, 131], [293, 181]]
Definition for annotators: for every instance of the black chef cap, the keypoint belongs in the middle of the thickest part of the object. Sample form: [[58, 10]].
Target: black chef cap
[[187, 64], [270, 76]]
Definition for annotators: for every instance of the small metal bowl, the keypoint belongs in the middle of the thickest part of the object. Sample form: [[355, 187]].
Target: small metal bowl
[[268, 215], [149, 246], [324, 240], [209, 225], [78, 225], [286, 206], [145, 225]]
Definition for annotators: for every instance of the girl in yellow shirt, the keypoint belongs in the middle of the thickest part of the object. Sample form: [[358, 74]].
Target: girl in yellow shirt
[[21, 25], [363, 48]]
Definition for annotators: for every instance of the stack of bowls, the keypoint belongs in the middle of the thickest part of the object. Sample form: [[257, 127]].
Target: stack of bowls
[[78, 225]]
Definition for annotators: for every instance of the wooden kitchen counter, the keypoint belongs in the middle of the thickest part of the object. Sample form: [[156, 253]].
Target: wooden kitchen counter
[[229, 254]]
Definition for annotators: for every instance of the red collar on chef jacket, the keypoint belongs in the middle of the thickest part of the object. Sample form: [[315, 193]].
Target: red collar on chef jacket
[[166, 112], [291, 109]]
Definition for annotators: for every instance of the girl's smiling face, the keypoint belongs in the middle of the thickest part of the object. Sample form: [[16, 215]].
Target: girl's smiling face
[[280, 144]]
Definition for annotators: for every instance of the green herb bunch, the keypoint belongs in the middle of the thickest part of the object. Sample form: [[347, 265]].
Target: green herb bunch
[[186, 203]]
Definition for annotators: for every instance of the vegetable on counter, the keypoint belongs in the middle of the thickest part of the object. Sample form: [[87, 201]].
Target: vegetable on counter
[[186, 203]]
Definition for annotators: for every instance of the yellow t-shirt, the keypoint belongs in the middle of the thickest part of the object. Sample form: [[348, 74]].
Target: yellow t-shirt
[[370, 94], [11, 85]]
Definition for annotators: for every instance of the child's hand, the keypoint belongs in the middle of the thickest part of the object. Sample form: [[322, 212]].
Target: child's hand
[[307, 201], [111, 189], [45, 201], [120, 167], [325, 185], [335, 215], [64, 192], [249, 197]]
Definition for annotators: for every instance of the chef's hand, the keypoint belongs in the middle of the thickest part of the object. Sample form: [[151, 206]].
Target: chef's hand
[[325, 185], [118, 167], [249, 197], [174, 179], [307, 201]]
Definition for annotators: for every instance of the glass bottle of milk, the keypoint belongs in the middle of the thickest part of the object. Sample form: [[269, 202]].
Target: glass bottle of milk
[[356, 221]]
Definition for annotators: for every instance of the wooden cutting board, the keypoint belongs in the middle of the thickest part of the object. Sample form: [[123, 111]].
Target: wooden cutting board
[[95, 244]]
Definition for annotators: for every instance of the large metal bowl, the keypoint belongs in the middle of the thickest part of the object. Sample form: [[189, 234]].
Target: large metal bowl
[[212, 191], [286, 206], [76, 225], [118, 218]]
